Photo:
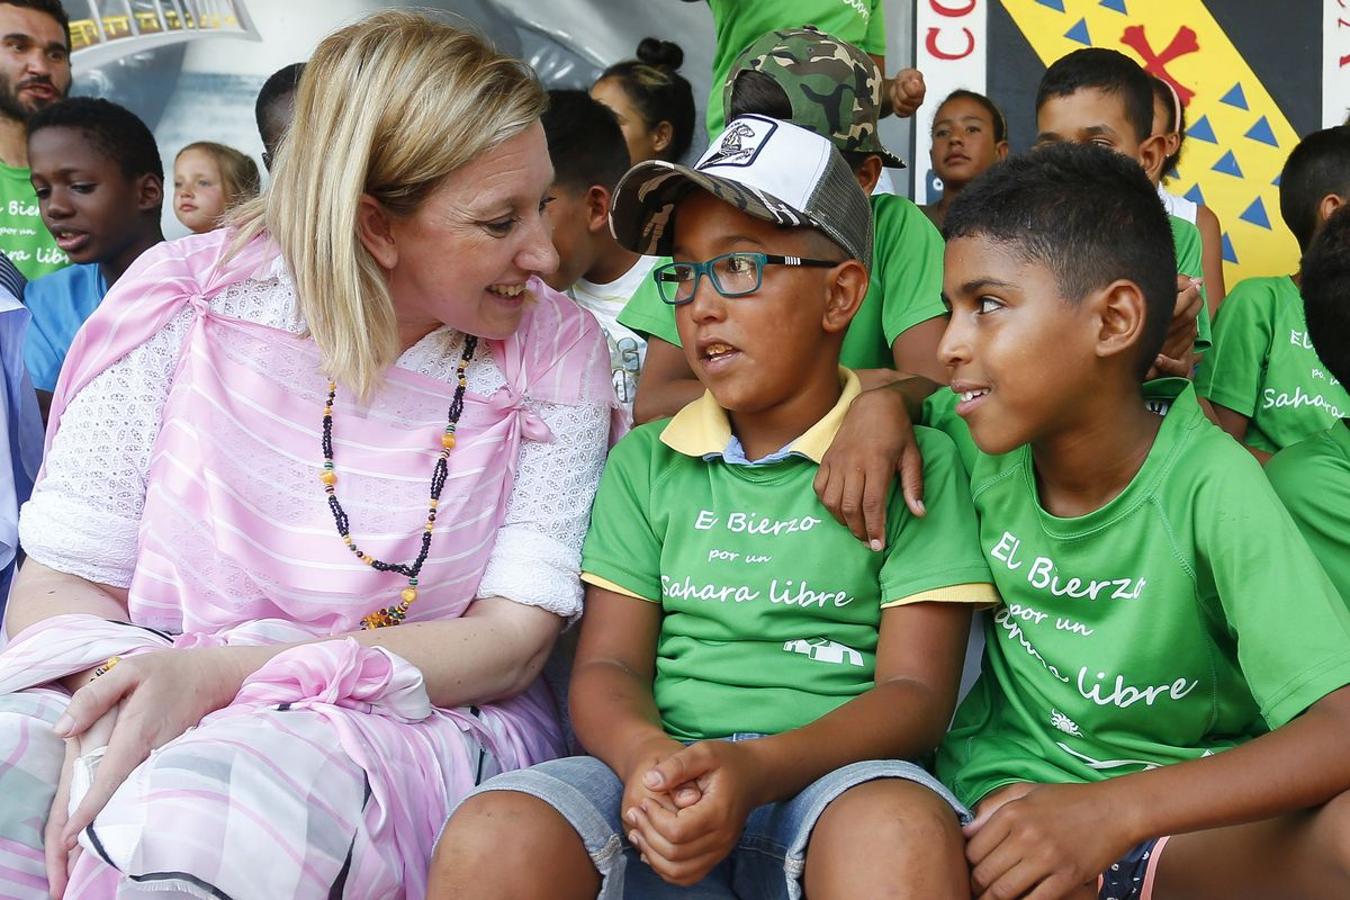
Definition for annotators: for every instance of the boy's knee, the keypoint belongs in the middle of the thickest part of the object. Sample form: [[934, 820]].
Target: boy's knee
[[491, 826], [892, 813]]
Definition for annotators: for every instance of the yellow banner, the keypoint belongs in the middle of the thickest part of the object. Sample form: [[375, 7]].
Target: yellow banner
[[1237, 138]]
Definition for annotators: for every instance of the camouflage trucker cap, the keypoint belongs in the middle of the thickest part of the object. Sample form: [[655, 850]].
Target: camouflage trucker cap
[[769, 169], [834, 87]]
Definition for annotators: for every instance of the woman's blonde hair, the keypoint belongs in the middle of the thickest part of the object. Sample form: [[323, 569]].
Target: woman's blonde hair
[[387, 107], [239, 178]]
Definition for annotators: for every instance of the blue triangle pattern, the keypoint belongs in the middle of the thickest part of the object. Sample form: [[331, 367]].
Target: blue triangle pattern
[[1276, 182], [1195, 195], [1235, 97], [1201, 130], [1117, 5], [1228, 254], [1079, 33], [1056, 5], [1228, 165], [1261, 131], [1256, 214]]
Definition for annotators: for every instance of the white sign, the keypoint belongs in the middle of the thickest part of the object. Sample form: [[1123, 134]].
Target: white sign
[[951, 49], [1335, 62]]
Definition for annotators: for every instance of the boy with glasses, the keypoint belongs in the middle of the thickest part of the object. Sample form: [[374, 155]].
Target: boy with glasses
[[750, 678]]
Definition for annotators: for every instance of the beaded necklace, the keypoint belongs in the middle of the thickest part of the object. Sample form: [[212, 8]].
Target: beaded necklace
[[394, 615]]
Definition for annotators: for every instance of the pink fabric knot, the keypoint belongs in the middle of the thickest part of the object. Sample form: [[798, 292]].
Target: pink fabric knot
[[340, 673], [505, 399], [199, 303]]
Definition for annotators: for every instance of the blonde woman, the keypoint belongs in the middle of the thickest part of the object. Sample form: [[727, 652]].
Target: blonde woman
[[312, 510], [209, 179]]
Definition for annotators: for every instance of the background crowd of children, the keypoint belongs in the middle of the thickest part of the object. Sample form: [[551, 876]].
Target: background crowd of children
[[1167, 621]]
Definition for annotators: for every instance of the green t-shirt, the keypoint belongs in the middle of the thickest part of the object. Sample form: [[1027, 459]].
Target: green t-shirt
[[23, 236], [739, 23], [1312, 477], [1263, 366], [1184, 617], [1190, 249], [771, 609], [905, 288]]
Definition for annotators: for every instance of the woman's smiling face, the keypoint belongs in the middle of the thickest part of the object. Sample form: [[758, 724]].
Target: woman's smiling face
[[464, 257]]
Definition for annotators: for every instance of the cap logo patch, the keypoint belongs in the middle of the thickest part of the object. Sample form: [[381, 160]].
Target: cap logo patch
[[741, 144]]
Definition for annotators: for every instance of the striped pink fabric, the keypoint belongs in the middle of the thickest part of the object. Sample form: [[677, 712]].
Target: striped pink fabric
[[237, 545]]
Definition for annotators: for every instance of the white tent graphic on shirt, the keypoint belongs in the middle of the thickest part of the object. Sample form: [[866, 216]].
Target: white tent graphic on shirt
[[825, 650]]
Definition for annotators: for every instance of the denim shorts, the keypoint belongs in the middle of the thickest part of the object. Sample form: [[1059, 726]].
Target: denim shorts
[[768, 862]]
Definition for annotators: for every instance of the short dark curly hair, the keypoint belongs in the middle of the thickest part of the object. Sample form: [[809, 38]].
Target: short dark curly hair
[[1086, 213], [115, 131]]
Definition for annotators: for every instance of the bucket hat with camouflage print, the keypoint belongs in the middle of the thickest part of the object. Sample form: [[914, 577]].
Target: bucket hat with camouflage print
[[834, 87]]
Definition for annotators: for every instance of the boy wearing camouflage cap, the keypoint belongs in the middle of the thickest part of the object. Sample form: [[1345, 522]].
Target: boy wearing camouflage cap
[[723, 602], [829, 86]]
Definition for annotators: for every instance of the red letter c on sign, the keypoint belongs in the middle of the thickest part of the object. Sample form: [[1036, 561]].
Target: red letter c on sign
[[953, 13], [932, 47]]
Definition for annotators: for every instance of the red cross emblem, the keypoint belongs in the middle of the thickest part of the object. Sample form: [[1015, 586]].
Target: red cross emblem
[[1182, 42]]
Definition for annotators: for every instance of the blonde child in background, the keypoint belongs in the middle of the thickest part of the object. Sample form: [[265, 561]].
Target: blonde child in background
[[208, 180]]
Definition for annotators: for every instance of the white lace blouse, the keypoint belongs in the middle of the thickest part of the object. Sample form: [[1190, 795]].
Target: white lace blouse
[[84, 515]]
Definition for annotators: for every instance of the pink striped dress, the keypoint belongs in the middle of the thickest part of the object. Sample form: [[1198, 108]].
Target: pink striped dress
[[331, 772]]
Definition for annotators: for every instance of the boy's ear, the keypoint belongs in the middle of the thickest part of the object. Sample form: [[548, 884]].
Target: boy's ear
[[869, 173], [1328, 205], [598, 201], [1001, 150], [1121, 312], [377, 235], [149, 193], [846, 287], [1152, 154]]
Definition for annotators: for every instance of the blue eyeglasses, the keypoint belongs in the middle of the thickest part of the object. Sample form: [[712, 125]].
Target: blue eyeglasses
[[731, 274]]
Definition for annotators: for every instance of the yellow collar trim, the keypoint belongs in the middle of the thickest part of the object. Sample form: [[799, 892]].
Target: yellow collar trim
[[702, 428]]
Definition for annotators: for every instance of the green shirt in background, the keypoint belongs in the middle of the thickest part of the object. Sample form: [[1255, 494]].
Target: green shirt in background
[[1263, 366], [23, 236], [1190, 249], [771, 609], [1181, 619], [1312, 477], [905, 288], [739, 23]]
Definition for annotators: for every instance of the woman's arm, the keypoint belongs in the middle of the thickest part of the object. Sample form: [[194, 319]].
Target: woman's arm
[[41, 592], [494, 651]]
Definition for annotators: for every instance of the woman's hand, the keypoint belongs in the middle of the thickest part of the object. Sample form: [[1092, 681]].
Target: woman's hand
[[875, 441], [60, 859], [683, 845], [156, 696]]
